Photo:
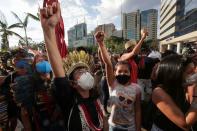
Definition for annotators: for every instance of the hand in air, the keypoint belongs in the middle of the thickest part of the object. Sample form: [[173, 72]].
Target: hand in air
[[99, 37], [50, 15], [144, 33]]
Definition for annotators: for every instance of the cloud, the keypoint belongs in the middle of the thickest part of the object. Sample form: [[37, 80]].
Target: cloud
[[31, 2], [133, 5], [106, 13], [20, 8], [75, 11], [110, 10]]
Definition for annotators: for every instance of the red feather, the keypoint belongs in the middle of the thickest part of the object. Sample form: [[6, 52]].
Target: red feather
[[59, 31]]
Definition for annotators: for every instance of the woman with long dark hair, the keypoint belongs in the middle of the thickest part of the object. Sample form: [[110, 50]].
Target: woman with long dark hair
[[173, 111]]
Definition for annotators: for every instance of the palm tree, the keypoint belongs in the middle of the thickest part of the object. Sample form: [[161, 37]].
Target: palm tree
[[24, 23], [6, 31]]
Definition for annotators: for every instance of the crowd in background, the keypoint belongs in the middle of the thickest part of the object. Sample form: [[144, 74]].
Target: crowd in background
[[139, 89]]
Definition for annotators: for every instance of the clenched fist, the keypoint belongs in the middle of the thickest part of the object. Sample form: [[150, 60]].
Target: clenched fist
[[99, 37], [144, 33], [50, 16]]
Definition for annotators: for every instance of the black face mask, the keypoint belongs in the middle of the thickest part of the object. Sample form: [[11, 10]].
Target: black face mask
[[123, 79]]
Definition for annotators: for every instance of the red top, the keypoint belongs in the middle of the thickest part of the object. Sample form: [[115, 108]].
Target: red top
[[134, 70]]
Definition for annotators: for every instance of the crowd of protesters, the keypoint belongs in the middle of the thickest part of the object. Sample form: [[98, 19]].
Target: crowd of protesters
[[140, 89]]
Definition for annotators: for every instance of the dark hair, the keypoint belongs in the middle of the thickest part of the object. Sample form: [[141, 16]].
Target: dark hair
[[123, 63], [94, 93], [167, 53], [169, 75]]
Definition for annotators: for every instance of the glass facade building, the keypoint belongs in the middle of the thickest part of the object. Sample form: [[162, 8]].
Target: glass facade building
[[78, 32], [149, 21], [177, 18]]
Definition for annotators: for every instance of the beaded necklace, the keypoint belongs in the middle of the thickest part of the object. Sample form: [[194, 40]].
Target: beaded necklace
[[86, 120]]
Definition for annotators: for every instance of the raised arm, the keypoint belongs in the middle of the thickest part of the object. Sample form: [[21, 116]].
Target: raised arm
[[106, 58], [167, 106], [50, 16], [136, 49]]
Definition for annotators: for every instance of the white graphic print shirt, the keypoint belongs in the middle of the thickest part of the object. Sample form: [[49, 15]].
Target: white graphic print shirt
[[122, 101]]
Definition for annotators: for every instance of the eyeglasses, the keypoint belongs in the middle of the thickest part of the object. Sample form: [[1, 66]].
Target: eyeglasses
[[123, 99]]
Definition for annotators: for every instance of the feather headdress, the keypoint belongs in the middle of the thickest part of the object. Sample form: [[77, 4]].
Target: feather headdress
[[77, 59]]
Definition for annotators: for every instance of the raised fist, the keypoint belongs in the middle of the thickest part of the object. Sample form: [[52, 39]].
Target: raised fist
[[50, 15], [144, 33], [99, 37]]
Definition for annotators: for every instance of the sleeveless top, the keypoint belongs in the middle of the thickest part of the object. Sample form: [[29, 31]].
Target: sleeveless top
[[161, 121]]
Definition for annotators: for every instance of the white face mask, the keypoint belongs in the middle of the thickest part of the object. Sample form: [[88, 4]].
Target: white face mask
[[86, 81]]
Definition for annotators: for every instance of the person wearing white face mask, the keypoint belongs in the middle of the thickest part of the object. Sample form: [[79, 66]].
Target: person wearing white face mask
[[81, 109], [86, 81]]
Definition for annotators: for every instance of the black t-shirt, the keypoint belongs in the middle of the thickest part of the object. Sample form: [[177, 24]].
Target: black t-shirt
[[68, 99], [149, 63]]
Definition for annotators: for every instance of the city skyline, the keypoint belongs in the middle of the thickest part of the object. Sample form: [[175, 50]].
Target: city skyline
[[132, 23], [95, 12]]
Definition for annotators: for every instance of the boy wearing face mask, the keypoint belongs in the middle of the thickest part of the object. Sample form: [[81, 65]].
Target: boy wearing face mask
[[124, 95], [81, 109]]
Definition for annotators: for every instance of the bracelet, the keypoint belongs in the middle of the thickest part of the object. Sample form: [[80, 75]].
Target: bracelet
[[194, 96]]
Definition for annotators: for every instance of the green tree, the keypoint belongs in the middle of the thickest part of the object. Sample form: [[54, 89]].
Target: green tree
[[115, 44], [6, 31], [22, 42], [23, 24]]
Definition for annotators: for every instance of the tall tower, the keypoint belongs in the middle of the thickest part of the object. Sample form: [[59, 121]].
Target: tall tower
[[149, 21], [131, 25], [170, 14], [78, 32]]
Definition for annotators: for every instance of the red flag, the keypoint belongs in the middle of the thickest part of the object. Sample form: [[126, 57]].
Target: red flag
[[59, 31]]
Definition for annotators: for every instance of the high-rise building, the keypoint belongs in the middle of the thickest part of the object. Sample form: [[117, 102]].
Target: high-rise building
[[107, 28], [171, 13], [78, 32], [149, 21], [81, 30], [71, 36], [178, 24], [90, 39], [117, 33], [131, 25], [188, 23]]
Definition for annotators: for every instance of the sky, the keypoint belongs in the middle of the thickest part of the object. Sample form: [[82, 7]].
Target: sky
[[93, 12]]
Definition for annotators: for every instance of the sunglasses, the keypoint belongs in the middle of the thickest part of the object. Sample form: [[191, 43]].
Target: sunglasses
[[123, 99]]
